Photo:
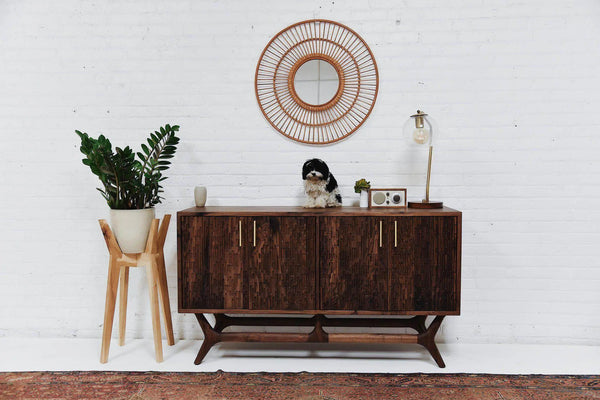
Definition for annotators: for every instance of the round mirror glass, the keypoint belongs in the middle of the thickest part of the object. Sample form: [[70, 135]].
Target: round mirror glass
[[316, 82]]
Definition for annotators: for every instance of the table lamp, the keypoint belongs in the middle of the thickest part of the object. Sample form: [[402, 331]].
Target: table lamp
[[419, 130]]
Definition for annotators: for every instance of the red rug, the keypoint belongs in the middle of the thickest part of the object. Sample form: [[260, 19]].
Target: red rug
[[303, 386]]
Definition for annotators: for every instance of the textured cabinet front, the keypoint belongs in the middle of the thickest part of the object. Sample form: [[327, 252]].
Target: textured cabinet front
[[281, 263], [253, 263], [213, 262], [353, 264], [339, 261], [424, 264]]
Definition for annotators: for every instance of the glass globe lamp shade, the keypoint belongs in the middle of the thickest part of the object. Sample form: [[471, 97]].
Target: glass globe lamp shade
[[419, 129]]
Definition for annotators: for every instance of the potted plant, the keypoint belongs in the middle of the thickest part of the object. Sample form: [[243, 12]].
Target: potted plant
[[131, 186], [362, 186]]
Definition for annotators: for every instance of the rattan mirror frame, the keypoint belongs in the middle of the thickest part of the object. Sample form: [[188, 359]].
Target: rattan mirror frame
[[316, 39]]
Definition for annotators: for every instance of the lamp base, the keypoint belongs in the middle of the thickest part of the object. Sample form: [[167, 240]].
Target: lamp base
[[425, 204]]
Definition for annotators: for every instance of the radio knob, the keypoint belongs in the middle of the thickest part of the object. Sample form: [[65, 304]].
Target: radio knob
[[396, 199]]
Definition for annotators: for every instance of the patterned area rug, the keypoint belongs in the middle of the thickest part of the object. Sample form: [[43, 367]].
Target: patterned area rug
[[302, 386]]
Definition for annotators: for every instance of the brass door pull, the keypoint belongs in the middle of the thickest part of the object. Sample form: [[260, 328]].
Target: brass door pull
[[395, 233], [240, 232], [254, 238], [380, 234]]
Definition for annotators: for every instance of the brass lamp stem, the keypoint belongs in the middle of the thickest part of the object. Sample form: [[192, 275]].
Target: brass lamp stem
[[428, 174]]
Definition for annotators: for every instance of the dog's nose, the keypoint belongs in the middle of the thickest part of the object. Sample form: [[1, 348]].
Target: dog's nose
[[313, 174]]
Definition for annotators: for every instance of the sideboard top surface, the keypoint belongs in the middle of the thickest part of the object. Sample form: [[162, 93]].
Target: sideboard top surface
[[301, 211]]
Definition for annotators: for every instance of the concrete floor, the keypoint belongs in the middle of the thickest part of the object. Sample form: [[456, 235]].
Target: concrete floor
[[33, 354]]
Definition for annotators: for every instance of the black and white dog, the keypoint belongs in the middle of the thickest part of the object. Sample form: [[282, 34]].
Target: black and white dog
[[320, 185]]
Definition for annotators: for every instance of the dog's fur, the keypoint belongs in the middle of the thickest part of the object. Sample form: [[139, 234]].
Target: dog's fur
[[320, 186]]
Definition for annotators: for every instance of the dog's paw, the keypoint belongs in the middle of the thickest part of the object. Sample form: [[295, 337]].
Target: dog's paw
[[320, 203]]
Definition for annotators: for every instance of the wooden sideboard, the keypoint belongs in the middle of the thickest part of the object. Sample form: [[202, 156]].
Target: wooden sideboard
[[318, 262]]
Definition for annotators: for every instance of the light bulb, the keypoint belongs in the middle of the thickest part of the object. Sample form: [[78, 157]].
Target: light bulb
[[420, 135]]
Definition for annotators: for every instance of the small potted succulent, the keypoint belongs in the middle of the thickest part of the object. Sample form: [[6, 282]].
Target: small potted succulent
[[131, 187], [362, 186]]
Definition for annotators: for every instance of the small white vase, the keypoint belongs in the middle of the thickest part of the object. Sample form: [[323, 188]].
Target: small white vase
[[364, 198], [200, 196], [131, 228]]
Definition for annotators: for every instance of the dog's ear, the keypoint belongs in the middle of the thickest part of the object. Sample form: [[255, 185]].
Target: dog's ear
[[325, 169], [306, 169]]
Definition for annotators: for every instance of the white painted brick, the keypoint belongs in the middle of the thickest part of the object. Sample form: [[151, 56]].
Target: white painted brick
[[514, 86]]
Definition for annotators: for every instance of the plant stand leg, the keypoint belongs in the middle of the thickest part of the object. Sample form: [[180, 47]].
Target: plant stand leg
[[165, 304], [123, 287], [109, 307], [151, 272]]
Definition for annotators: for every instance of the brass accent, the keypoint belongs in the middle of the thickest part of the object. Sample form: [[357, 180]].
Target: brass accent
[[254, 239], [395, 233], [419, 120], [380, 233], [240, 232], [428, 174]]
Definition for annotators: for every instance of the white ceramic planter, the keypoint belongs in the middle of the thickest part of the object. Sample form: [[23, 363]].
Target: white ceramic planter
[[131, 228], [364, 199]]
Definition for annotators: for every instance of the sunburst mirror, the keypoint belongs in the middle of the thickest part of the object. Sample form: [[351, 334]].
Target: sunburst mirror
[[316, 81]]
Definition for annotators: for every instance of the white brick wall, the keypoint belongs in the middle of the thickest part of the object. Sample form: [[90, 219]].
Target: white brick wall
[[514, 85]]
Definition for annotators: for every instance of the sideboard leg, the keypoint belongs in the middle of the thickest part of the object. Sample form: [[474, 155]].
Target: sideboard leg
[[318, 334], [427, 340], [211, 337], [221, 322], [419, 323]]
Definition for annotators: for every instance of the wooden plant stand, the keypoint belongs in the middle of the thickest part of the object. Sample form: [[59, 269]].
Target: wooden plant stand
[[118, 270], [425, 335]]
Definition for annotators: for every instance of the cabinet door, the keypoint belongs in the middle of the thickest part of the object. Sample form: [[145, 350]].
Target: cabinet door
[[212, 263], [281, 263], [424, 266], [353, 263]]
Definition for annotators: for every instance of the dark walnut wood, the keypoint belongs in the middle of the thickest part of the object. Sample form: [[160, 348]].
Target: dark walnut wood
[[281, 267], [224, 264], [424, 264], [318, 212], [211, 264], [291, 260], [353, 269]]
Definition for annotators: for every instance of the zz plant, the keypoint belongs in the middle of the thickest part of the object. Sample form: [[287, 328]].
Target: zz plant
[[130, 183]]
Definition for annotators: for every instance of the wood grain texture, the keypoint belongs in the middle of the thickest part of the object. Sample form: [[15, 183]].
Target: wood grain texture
[[123, 288], [319, 212], [281, 268], [214, 335], [218, 273], [424, 266], [353, 268], [391, 262], [212, 263], [153, 259]]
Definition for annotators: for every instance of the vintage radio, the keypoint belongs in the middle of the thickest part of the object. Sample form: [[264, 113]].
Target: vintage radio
[[387, 198]]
